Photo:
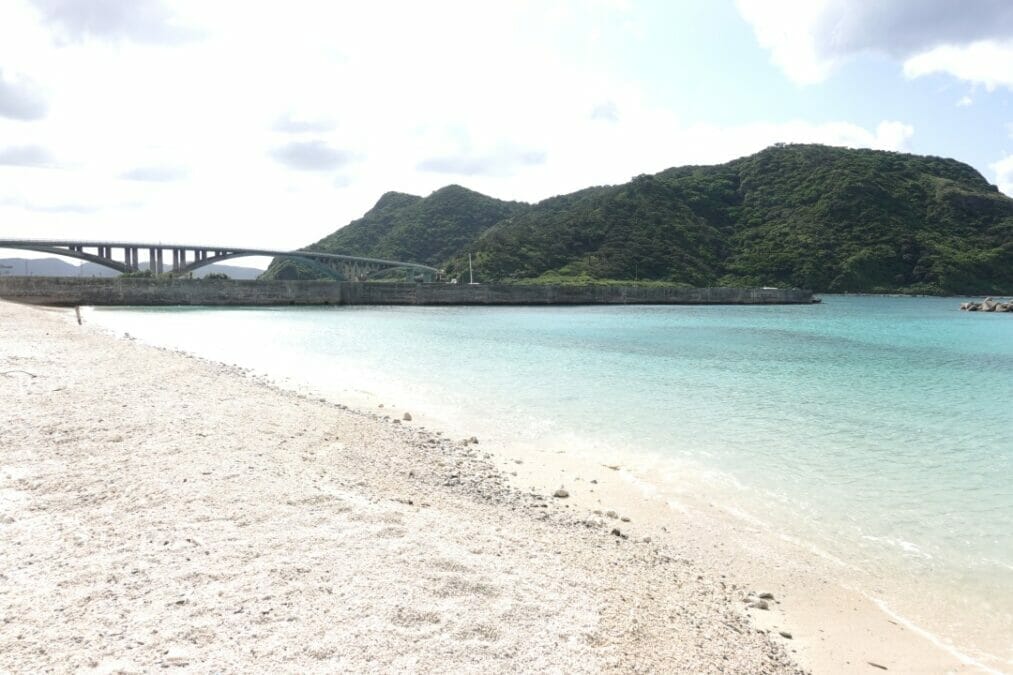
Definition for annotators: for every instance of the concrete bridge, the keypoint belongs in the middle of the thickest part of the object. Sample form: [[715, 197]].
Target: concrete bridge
[[180, 259]]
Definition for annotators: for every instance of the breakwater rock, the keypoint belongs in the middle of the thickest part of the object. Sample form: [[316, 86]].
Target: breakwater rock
[[988, 305]]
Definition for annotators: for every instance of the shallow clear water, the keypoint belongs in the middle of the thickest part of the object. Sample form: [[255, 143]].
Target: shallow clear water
[[878, 429]]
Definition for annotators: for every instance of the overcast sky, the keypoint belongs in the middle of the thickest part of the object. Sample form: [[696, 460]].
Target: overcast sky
[[272, 124]]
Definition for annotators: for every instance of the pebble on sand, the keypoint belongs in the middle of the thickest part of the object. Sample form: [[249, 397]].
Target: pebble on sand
[[561, 493], [407, 417], [784, 634]]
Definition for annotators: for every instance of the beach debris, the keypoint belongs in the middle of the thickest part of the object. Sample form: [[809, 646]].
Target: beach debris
[[876, 665], [759, 604], [766, 596], [561, 493], [614, 467], [785, 634], [21, 372], [176, 656], [407, 417]]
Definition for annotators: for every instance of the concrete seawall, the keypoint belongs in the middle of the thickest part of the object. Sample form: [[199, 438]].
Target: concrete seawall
[[69, 291]]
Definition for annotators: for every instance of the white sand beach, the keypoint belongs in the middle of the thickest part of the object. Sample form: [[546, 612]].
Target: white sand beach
[[158, 510]]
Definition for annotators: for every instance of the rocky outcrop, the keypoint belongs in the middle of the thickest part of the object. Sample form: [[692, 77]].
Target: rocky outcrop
[[988, 305]]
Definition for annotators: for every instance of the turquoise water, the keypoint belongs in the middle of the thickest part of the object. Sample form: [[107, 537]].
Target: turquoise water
[[878, 429]]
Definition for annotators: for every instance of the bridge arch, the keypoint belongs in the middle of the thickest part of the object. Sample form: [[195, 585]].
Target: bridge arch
[[71, 253], [334, 265]]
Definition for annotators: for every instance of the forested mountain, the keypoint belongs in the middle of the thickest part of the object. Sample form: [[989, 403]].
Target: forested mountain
[[825, 218], [405, 227]]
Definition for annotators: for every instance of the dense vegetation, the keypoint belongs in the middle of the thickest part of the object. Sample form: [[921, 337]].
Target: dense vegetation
[[829, 219], [405, 227]]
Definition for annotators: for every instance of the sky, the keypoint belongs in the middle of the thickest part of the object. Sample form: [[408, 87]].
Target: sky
[[271, 124]]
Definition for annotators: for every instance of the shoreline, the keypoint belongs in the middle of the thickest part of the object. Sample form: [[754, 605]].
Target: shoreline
[[720, 563], [757, 550], [836, 624]]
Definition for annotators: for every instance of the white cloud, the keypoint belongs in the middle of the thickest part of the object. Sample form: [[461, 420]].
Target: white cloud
[[987, 63], [283, 145], [965, 101], [787, 29], [26, 156], [21, 99], [143, 21], [313, 155], [155, 173], [1004, 174], [971, 39]]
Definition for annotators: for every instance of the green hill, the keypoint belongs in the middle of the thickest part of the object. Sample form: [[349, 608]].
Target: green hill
[[427, 230], [829, 219]]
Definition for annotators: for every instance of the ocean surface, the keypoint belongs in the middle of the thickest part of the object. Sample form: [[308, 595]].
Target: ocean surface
[[875, 430]]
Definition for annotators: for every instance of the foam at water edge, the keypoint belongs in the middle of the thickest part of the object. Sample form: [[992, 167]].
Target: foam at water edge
[[935, 639]]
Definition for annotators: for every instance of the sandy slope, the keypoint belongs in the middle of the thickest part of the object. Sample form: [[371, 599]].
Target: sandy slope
[[158, 510]]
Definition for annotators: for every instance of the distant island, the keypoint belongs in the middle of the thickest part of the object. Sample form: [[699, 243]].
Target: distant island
[[809, 216]]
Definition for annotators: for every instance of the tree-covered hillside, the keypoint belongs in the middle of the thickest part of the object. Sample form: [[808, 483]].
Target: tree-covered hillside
[[427, 230], [829, 219]]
